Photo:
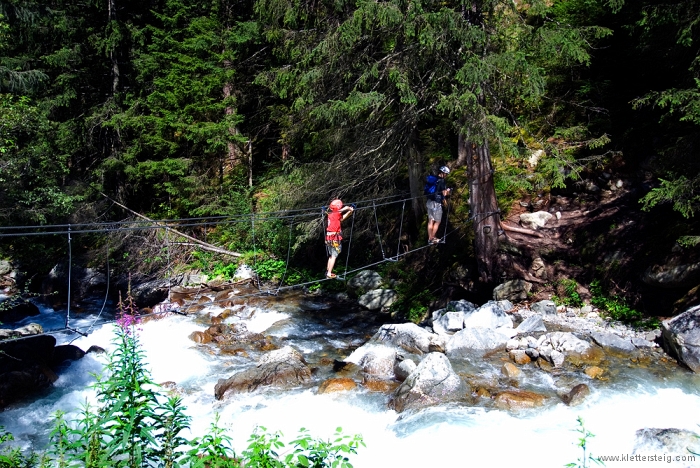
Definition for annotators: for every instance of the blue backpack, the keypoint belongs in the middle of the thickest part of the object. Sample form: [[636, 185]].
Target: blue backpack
[[430, 184]]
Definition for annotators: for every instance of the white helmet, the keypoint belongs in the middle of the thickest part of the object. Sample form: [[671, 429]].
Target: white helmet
[[445, 169]]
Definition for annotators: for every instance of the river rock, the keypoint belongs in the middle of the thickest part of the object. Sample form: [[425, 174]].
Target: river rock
[[19, 312], [510, 370], [672, 276], [513, 290], [518, 399], [538, 268], [407, 336], [366, 279], [379, 385], [5, 267], [642, 343], [534, 323], [613, 342], [27, 365], [448, 323], [459, 306], [150, 293], [535, 220], [520, 356], [63, 353], [555, 347], [545, 307], [576, 395], [342, 384], [472, 342], [403, 367], [283, 367], [489, 315], [432, 382], [667, 441], [593, 372], [375, 359], [378, 299], [681, 337]]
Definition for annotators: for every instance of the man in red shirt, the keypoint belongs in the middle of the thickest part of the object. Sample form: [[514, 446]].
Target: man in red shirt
[[334, 235]]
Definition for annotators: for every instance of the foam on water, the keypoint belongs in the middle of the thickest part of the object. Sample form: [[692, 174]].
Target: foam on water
[[443, 436]]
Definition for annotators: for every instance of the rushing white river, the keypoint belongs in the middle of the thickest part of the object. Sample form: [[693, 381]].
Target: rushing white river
[[452, 435]]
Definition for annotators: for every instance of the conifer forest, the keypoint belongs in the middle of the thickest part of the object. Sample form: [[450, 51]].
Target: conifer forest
[[182, 110]]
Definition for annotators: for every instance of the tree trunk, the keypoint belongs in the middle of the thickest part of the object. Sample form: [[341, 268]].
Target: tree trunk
[[483, 205], [112, 16], [415, 179], [234, 151]]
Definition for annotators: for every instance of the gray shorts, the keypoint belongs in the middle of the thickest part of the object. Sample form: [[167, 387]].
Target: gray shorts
[[333, 248], [434, 210]]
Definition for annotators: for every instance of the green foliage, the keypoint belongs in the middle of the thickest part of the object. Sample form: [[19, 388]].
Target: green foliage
[[681, 191], [569, 295], [616, 308], [585, 435], [413, 296], [213, 449], [12, 457], [31, 168]]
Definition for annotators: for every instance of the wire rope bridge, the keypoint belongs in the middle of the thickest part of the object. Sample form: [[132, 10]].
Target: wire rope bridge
[[171, 234]]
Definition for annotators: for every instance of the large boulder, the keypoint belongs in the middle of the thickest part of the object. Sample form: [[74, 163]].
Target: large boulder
[[407, 336], [556, 347], [366, 279], [672, 276], [29, 364], [477, 341], [612, 342], [518, 400], [448, 323], [375, 359], [534, 323], [489, 315], [19, 311], [535, 220], [377, 299], [681, 337], [84, 282], [431, 383], [545, 307], [513, 290], [283, 367]]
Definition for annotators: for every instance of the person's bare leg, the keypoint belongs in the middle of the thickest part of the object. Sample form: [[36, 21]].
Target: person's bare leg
[[432, 228], [331, 264]]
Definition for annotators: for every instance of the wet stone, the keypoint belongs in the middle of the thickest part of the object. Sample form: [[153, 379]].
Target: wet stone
[[337, 385], [593, 372], [576, 395], [509, 370], [518, 399], [519, 356]]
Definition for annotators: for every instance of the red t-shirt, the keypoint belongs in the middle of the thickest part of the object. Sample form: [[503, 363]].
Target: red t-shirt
[[333, 229]]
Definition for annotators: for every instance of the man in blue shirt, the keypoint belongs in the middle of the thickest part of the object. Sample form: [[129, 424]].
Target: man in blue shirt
[[434, 205]]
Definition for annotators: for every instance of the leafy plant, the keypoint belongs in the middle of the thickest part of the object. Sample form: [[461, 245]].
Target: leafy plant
[[567, 293], [317, 453], [616, 308], [213, 449], [12, 457], [583, 443]]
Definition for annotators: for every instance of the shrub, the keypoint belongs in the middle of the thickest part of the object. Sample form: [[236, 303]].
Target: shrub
[[616, 308]]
